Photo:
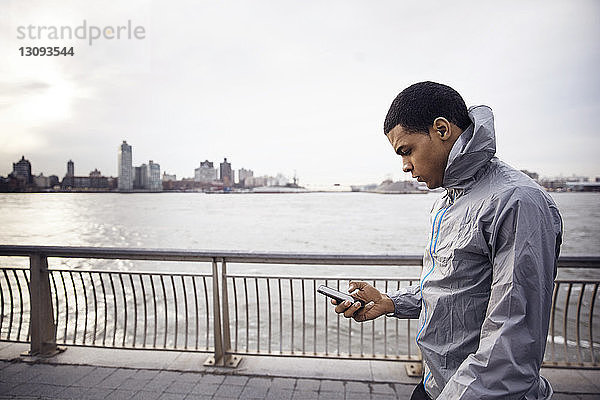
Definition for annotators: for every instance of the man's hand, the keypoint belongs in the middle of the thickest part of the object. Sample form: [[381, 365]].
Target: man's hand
[[376, 305]]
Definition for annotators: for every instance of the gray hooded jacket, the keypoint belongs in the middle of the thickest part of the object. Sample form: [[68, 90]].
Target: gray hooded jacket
[[485, 293]]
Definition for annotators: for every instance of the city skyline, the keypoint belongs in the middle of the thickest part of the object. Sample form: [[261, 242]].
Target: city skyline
[[296, 87], [148, 176], [236, 171]]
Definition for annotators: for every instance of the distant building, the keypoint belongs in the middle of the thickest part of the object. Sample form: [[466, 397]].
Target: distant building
[[583, 186], [54, 181], [97, 181], [125, 168], [82, 182], [70, 168], [226, 173], [168, 178], [94, 181], [140, 180], [243, 174], [256, 181], [41, 181], [22, 171], [206, 173], [154, 181]]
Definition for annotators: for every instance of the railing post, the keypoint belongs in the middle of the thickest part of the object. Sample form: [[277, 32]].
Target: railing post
[[230, 360], [217, 359], [221, 332], [43, 339]]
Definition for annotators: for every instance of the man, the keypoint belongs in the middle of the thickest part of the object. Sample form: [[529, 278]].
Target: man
[[484, 297]]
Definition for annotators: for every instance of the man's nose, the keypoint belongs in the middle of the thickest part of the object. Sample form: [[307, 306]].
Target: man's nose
[[407, 166]]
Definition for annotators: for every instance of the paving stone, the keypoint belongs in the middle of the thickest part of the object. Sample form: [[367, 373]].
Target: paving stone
[[143, 395], [20, 389], [403, 391], [207, 389], [189, 377], [168, 376], [331, 395], [5, 387], [357, 396], [567, 381], [120, 394], [259, 382], [193, 396], [308, 385], [45, 390], [279, 394], [20, 374], [236, 380], [382, 388], [94, 377], [212, 379], [332, 386], [158, 385], [14, 367], [77, 393], [305, 395], [229, 391], [172, 396], [254, 392], [565, 396], [59, 375], [180, 387], [593, 377], [146, 374], [589, 396], [283, 383], [357, 387], [376, 396], [134, 384], [113, 381]]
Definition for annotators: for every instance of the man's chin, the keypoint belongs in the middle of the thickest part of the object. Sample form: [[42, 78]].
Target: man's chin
[[432, 185]]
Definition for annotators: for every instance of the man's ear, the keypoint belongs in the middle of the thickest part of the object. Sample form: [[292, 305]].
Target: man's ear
[[442, 128]]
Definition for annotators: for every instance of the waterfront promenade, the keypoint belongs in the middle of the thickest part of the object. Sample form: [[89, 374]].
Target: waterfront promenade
[[87, 373]]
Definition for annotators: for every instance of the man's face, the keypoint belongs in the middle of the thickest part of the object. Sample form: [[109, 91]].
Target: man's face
[[424, 156]]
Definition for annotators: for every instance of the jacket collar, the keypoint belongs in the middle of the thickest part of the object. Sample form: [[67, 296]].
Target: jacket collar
[[473, 149]]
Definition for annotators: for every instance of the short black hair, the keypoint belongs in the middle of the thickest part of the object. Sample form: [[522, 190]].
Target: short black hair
[[417, 106]]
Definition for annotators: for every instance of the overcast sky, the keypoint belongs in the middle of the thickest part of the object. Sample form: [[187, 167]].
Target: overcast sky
[[302, 86]]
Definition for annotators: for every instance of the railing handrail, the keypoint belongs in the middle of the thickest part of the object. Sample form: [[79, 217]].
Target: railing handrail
[[41, 282], [274, 257], [195, 255]]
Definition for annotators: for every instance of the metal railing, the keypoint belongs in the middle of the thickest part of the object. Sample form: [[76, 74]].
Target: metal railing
[[234, 314]]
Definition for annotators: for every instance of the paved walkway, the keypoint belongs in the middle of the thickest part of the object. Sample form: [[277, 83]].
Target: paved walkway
[[83, 373]]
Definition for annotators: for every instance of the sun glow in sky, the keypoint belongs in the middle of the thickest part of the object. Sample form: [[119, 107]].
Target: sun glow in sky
[[284, 87]]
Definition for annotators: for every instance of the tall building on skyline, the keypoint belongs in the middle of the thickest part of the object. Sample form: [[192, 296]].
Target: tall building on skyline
[[70, 168], [206, 173], [168, 177], [22, 170], [243, 174], [226, 173], [125, 168], [154, 181], [140, 180]]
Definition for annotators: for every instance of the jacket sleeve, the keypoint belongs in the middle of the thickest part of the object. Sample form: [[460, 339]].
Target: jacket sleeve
[[407, 302], [524, 243]]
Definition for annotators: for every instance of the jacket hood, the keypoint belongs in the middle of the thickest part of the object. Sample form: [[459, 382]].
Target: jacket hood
[[473, 149]]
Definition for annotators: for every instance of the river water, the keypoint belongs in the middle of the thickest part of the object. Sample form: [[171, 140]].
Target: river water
[[308, 222], [360, 223]]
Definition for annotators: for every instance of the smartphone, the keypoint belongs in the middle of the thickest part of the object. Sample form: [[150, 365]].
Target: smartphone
[[338, 296]]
